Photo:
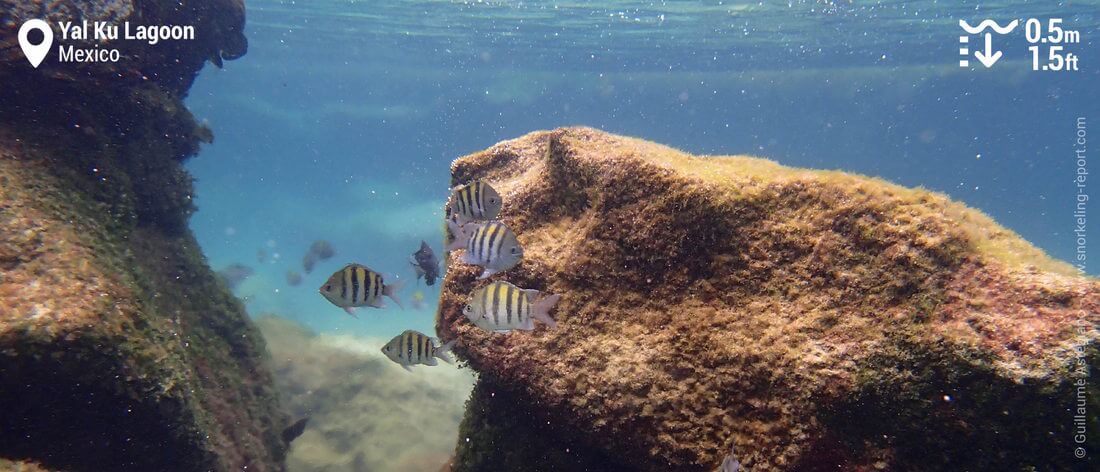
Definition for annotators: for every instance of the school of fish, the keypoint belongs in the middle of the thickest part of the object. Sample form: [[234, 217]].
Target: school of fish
[[498, 306]]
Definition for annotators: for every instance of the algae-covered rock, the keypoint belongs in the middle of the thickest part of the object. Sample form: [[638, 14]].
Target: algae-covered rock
[[119, 348], [810, 320]]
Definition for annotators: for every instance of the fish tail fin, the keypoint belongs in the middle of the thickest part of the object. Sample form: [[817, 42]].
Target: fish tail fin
[[542, 307], [460, 235], [460, 218], [444, 352], [390, 290]]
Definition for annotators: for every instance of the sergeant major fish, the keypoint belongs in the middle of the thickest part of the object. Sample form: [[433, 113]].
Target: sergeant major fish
[[503, 307], [475, 201], [413, 347], [490, 245], [356, 285], [425, 264]]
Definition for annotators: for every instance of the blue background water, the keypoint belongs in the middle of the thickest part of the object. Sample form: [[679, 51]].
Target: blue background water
[[342, 120]]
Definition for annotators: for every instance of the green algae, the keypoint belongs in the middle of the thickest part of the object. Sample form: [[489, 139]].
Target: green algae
[[498, 433], [167, 353]]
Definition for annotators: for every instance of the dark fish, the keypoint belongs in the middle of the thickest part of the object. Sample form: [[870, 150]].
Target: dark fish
[[425, 264], [204, 133], [322, 249], [293, 278], [293, 431], [308, 261], [234, 274]]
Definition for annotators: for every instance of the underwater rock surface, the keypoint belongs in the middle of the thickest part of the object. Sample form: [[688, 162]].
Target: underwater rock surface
[[812, 320], [119, 348]]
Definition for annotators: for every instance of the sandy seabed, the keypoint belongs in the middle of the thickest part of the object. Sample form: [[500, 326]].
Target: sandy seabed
[[366, 412]]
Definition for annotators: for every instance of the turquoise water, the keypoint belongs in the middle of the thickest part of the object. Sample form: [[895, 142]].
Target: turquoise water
[[341, 121]]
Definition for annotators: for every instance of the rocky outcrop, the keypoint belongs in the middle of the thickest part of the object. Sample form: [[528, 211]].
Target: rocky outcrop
[[810, 320], [119, 348]]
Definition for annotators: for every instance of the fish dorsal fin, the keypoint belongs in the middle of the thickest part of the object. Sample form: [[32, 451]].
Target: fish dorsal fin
[[358, 265]]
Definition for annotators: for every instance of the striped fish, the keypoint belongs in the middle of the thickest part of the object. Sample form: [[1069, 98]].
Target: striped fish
[[503, 307], [490, 245], [413, 347], [475, 201], [356, 285]]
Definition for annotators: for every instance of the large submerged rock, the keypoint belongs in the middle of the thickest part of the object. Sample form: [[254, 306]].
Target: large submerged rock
[[119, 348], [810, 320]]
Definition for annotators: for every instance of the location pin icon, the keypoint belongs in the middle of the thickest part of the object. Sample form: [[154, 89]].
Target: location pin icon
[[35, 52]]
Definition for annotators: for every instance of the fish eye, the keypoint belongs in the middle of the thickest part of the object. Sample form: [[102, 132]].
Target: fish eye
[[467, 309], [515, 250], [492, 200], [328, 288]]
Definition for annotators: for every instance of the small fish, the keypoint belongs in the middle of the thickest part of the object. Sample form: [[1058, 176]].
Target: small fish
[[234, 274], [204, 133], [503, 307], [730, 463], [425, 264], [356, 285], [308, 261], [322, 249], [475, 201], [418, 300], [290, 433], [293, 278], [261, 256], [490, 245], [412, 348]]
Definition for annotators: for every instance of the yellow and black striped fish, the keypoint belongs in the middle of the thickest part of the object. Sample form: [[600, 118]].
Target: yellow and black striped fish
[[475, 201], [356, 285], [413, 347], [503, 307], [491, 245]]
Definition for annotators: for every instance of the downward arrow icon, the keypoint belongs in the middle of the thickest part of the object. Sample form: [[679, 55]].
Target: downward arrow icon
[[988, 58]]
